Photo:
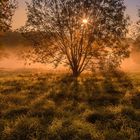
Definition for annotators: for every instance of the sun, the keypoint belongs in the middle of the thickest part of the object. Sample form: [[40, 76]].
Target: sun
[[85, 21]]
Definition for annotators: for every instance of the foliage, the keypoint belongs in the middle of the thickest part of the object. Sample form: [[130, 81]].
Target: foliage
[[79, 34], [134, 30], [7, 9]]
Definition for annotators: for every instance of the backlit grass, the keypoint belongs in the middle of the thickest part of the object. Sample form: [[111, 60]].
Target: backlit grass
[[43, 106]]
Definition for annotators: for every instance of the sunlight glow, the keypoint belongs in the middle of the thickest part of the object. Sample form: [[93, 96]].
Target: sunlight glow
[[85, 21]]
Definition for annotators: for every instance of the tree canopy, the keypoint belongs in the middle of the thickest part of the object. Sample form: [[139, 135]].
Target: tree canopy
[[80, 34], [7, 9], [137, 33]]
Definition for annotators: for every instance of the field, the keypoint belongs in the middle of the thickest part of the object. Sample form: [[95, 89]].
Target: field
[[45, 106]]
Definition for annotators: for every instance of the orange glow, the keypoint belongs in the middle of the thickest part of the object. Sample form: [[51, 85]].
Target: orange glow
[[85, 21]]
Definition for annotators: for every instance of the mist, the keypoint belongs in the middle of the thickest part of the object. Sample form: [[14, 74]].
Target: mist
[[132, 64], [12, 61], [12, 45]]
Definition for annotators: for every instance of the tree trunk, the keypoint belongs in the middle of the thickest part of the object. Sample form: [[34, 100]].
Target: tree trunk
[[76, 73]]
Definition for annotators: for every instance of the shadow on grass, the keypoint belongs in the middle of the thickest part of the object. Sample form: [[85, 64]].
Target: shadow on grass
[[117, 82], [62, 107], [104, 90]]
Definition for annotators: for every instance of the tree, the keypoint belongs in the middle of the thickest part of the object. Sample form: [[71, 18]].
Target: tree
[[7, 8], [136, 34], [138, 23], [76, 33], [134, 29]]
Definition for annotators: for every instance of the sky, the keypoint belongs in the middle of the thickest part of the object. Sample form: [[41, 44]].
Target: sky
[[20, 15]]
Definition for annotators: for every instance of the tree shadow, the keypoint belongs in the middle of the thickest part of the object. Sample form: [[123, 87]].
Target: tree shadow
[[111, 90], [104, 89], [66, 88], [117, 82]]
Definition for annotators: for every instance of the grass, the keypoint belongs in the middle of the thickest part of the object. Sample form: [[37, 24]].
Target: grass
[[43, 106]]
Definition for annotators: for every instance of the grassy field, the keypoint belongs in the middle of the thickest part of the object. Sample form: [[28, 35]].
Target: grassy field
[[43, 106]]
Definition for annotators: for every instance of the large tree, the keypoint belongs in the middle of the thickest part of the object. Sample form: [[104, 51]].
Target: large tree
[[7, 8], [77, 33]]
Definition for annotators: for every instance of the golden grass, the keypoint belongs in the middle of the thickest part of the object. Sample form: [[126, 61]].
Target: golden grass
[[46, 106]]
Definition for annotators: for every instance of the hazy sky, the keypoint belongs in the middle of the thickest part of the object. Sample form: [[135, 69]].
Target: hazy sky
[[20, 15]]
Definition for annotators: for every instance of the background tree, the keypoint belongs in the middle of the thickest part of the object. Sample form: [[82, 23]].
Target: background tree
[[136, 35], [134, 39], [134, 29], [7, 8], [77, 33]]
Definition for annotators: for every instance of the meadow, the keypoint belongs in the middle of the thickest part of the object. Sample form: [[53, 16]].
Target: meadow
[[44, 106]]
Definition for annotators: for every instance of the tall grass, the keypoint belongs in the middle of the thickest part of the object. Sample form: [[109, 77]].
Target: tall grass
[[40, 106]]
